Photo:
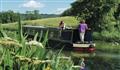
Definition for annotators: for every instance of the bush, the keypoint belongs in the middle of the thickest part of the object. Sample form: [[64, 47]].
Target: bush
[[113, 36], [96, 36]]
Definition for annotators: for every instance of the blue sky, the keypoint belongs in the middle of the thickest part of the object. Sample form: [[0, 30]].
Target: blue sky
[[44, 6]]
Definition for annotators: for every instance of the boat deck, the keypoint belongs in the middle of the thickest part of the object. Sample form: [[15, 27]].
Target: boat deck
[[81, 45]]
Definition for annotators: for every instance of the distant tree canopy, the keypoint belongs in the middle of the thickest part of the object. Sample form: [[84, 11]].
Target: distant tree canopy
[[99, 14], [32, 15], [10, 16], [117, 13]]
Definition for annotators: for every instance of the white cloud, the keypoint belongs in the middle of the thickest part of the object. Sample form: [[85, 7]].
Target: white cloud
[[33, 4], [60, 10]]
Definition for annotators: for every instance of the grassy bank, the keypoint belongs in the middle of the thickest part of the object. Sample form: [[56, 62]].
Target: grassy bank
[[107, 46], [48, 22]]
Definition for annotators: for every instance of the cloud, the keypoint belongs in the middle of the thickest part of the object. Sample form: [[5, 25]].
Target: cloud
[[60, 10], [33, 4]]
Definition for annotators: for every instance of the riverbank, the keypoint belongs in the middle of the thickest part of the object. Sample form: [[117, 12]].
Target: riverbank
[[107, 46], [100, 45]]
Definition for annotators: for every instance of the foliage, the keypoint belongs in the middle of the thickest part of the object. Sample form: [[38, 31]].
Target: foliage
[[109, 47], [11, 16], [20, 28], [32, 15], [49, 15], [102, 16], [19, 54], [95, 12], [67, 13], [110, 27], [25, 55], [117, 13], [8, 17]]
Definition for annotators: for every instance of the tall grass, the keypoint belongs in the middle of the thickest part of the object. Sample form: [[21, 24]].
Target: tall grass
[[17, 53], [29, 57]]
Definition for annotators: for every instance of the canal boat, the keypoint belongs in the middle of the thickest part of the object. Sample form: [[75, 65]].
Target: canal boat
[[67, 39]]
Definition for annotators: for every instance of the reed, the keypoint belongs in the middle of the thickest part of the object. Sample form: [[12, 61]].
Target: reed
[[19, 54], [31, 56]]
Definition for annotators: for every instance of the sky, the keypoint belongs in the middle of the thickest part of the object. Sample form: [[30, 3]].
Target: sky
[[44, 6]]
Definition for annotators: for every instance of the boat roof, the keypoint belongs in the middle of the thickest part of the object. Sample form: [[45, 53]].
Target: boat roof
[[34, 26], [46, 27]]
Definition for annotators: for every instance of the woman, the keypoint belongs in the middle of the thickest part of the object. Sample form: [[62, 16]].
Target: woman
[[82, 29], [62, 25]]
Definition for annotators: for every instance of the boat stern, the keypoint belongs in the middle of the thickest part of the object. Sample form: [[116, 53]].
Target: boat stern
[[84, 47]]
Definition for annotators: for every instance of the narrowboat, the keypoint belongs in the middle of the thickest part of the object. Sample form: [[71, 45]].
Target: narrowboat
[[67, 39]]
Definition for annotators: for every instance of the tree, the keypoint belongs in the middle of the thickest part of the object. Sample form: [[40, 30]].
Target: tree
[[95, 12], [117, 13], [8, 16], [67, 12], [36, 13], [0, 17], [32, 15]]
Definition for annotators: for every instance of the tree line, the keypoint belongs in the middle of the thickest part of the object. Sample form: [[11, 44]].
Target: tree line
[[11, 16]]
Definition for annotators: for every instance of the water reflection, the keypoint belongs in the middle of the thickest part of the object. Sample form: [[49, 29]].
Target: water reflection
[[80, 55], [104, 62], [97, 60]]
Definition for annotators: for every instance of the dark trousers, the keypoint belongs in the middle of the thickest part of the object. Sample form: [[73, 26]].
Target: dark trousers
[[88, 36]]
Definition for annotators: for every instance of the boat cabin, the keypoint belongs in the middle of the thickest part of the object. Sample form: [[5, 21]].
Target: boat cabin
[[57, 38]]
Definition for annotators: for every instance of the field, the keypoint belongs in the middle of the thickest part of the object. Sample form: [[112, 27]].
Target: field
[[48, 22]]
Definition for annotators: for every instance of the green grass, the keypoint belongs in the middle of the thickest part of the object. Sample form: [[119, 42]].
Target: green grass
[[107, 46], [47, 22]]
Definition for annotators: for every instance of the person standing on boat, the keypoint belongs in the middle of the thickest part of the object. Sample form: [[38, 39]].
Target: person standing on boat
[[62, 25], [88, 35], [82, 29]]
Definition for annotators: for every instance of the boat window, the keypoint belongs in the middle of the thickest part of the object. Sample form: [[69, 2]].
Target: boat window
[[54, 33], [67, 35], [76, 36]]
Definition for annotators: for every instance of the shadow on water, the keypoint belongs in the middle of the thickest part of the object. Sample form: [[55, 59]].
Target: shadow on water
[[97, 60], [104, 61]]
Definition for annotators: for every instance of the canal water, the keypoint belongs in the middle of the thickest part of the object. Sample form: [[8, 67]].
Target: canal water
[[98, 60], [103, 61]]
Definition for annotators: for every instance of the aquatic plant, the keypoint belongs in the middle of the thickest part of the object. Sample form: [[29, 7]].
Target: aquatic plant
[[17, 53]]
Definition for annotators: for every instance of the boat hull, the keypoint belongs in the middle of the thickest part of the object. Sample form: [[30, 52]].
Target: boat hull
[[59, 44], [82, 49]]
